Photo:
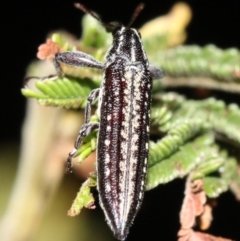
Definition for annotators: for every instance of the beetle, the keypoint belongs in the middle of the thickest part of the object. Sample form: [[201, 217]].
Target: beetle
[[124, 101]]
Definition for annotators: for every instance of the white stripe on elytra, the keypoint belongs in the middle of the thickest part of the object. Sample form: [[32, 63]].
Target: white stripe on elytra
[[129, 146]]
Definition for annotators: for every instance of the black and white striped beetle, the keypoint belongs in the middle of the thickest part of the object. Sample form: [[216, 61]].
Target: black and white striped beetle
[[124, 100]]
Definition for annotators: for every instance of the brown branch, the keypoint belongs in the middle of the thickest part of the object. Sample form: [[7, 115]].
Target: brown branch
[[200, 82]]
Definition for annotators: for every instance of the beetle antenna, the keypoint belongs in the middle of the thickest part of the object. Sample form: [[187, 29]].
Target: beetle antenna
[[138, 9], [86, 10], [94, 15]]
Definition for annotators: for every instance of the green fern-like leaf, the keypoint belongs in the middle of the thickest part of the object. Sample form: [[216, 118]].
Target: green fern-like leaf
[[91, 27], [208, 67], [179, 163], [84, 197], [214, 186], [173, 141], [212, 164], [89, 145], [208, 61], [212, 113], [63, 92], [230, 172], [225, 120]]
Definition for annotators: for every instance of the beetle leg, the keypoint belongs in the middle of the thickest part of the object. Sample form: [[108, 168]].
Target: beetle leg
[[85, 130], [75, 58], [155, 72], [92, 96]]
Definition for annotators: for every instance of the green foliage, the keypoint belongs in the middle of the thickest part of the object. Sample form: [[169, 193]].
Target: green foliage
[[84, 197], [214, 186], [64, 92], [89, 145], [94, 35], [208, 61], [176, 163], [230, 172]]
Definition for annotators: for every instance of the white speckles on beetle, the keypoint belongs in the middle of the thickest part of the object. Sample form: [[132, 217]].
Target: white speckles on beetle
[[107, 142]]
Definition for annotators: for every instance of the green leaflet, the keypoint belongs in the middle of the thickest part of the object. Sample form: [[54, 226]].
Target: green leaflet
[[230, 172], [89, 145], [226, 121], [160, 117], [212, 164], [84, 197], [179, 163], [208, 61], [163, 108], [171, 99], [214, 186], [63, 92], [155, 43], [91, 27], [210, 114], [172, 142]]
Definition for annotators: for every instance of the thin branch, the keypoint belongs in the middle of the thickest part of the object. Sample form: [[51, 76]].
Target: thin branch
[[200, 82]]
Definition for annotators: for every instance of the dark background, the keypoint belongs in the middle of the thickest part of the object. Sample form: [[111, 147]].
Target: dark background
[[24, 25]]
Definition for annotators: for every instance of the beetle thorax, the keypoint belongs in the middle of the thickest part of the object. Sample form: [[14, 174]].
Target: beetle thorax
[[126, 44]]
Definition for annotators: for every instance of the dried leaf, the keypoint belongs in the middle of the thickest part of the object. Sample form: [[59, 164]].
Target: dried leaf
[[192, 204], [190, 235], [205, 219], [48, 50]]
